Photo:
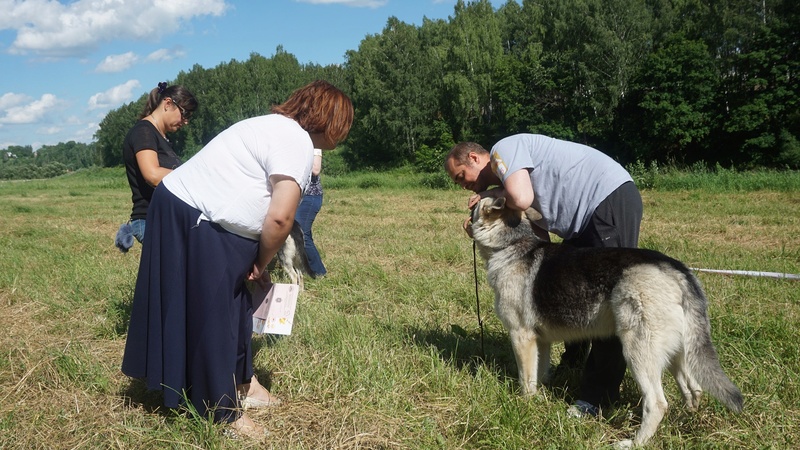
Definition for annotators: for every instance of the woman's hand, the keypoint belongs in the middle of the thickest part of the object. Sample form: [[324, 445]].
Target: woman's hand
[[260, 277]]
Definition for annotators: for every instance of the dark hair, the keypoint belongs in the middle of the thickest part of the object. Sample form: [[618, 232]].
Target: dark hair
[[461, 151], [179, 95], [319, 107]]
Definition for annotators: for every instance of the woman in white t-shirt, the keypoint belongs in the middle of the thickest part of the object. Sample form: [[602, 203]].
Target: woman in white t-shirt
[[213, 223]]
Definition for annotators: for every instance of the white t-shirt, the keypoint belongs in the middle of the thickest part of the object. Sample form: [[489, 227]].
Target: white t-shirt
[[228, 180], [569, 179]]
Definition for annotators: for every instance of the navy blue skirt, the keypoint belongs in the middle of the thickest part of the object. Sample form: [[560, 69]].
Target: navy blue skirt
[[191, 323]]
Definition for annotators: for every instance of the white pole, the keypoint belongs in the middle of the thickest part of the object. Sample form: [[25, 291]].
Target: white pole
[[787, 276]]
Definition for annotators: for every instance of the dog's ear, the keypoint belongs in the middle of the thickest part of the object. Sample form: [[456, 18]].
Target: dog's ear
[[533, 215], [499, 203]]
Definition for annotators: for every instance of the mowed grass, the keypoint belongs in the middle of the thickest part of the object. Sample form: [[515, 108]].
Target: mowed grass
[[386, 352]]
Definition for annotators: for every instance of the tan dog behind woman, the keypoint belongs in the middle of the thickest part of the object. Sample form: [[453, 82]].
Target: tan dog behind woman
[[546, 292]]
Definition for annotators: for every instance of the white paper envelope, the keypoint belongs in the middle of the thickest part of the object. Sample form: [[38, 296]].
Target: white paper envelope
[[273, 312]]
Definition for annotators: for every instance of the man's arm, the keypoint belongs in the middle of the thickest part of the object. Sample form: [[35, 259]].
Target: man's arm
[[518, 190], [519, 195]]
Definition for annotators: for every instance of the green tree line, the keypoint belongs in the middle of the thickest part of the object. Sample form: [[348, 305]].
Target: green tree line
[[21, 162], [681, 82]]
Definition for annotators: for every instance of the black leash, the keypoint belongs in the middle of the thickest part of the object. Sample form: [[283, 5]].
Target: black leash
[[477, 299]]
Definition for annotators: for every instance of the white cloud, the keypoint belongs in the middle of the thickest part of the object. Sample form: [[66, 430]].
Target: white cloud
[[86, 133], [117, 63], [353, 3], [52, 29], [22, 112], [73, 120], [124, 61], [10, 99], [115, 96], [50, 130], [164, 54]]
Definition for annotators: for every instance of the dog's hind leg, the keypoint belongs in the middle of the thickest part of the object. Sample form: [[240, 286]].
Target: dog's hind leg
[[691, 391], [523, 341], [644, 353], [295, 277], [298, 279], [654, 403]]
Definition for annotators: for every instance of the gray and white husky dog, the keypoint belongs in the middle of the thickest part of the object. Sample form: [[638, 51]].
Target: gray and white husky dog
[[547, 292], [292, 257]]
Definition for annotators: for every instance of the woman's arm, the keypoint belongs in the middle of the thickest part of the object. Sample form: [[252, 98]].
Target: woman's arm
[[147, 160], [316, 168], [278, 222]]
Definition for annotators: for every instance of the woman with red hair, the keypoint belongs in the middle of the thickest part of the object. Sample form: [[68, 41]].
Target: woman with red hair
[[215, 222]]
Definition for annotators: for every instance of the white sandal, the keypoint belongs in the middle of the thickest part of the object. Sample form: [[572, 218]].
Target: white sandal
[[240, 431]]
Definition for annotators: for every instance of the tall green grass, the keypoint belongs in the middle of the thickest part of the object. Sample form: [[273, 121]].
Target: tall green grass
[[717, 179], [386, 351]]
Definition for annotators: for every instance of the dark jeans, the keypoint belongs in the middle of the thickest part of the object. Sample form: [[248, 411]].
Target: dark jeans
[[306, 213], [615, 223]]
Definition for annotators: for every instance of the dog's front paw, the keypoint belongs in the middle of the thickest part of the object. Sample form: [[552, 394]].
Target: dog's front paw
[[624, 444], [529, 388]]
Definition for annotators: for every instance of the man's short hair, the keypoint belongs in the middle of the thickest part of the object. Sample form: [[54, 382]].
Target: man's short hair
[[461, 151]]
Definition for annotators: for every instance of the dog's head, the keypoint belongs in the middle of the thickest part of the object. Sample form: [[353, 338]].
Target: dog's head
[[496, 226]]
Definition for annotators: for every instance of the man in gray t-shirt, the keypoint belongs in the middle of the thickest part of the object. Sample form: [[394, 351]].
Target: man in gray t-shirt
[[585, 197]]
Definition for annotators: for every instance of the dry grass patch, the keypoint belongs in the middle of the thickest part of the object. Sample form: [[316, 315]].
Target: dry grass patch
[[386, 351]]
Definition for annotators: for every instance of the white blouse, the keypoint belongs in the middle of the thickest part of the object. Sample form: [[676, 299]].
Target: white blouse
[[228, 180]]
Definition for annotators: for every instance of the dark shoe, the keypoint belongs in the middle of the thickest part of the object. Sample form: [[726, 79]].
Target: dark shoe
[[583, 408]]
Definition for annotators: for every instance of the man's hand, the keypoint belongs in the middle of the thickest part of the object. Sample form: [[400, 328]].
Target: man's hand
[[468, 226], [473, 200], [493, 193]]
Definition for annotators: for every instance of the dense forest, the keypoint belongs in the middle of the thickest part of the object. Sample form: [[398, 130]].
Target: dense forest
[[683, 82], [21, 162]]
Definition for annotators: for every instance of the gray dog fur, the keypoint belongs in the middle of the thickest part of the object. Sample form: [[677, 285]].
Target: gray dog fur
[[546, 292], [292, 257]]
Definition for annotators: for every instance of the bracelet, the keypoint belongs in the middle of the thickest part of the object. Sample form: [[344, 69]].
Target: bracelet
[[317, 152]]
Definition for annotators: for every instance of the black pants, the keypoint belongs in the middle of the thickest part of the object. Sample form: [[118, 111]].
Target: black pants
[[615, 223]]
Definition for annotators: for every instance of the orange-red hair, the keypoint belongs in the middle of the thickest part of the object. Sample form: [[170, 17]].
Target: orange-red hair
[[319, 107]]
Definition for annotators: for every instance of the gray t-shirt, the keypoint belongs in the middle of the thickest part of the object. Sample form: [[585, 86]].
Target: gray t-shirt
[[569, 179]]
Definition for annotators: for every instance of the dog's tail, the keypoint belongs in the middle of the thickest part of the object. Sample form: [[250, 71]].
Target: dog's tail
[[701, 356]]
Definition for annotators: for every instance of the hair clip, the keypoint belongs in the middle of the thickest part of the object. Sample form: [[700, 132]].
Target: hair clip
[[162, 86]]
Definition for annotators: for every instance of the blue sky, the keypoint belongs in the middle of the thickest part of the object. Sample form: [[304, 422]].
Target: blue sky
[[65, 64]]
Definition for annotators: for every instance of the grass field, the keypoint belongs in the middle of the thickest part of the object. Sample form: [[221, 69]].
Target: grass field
[[386, 351]]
